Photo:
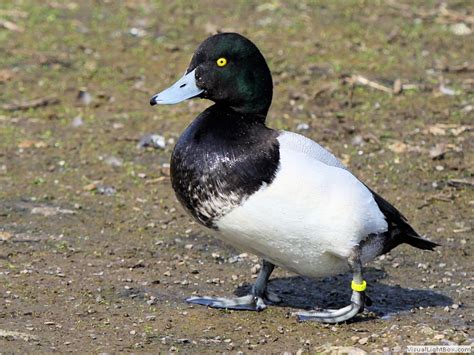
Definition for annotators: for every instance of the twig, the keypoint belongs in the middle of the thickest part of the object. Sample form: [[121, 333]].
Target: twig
[[454, 16], [154, 181], [429, 200], [442, 14], [440, 198], [373, 137], [25, 105], [397, 87], [462, 68], [359, 79], [461, 182], [409, 11], [406, 87], [323, 89], [8, 25]]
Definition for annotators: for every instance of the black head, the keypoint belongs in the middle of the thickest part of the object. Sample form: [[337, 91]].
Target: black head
[[229, 70]]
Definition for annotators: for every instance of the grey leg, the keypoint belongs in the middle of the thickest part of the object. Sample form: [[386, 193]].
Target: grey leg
[[357, 299], [251, 302], [259, 289]]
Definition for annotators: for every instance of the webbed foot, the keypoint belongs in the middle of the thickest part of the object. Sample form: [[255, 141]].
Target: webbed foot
[[245, 303], [256, 301], [358, 299], [335, 315]]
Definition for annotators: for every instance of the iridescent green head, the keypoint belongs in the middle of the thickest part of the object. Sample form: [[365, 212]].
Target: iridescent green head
[[228, 69]]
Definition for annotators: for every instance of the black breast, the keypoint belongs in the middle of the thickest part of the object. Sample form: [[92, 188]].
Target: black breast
[[221, 159]]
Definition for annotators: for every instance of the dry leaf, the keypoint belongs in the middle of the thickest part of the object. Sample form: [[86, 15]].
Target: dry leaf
[[346, 158], [211, 28], [438, 151], [26, 144], [441, 129], [436, 130], [5, 75], [5, 236], [29, 143], [40, 144], [398, 147], [458, 130], [165, 169], [90, 187], [11, 26], [397, 86]]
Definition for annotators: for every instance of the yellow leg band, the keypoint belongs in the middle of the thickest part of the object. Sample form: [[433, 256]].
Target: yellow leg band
[[359, 287]]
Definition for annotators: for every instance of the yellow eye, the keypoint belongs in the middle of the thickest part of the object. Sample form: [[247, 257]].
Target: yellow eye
[[221, 62]]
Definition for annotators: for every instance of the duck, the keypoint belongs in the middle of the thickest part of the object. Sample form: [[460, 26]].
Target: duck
[[273, 193]]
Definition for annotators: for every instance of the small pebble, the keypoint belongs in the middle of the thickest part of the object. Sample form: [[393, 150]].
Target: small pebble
[[84, 98], [357, 140], [106, 190], [302, 127], [355, 339], [113, 161], [137, 32], [77, 122], [460, 29], [152, 140], [255, 269]]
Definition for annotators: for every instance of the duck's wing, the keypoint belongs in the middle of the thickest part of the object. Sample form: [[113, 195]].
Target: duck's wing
[[301, 144], [320, 182], [399, 231]]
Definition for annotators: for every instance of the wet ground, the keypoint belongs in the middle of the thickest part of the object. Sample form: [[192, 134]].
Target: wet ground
[[97, 255]]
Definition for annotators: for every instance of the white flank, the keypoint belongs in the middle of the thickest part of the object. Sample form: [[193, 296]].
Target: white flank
[[310, 217]]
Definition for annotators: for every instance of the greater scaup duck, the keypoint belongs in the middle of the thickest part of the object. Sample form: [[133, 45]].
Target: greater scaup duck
[[273, 193]]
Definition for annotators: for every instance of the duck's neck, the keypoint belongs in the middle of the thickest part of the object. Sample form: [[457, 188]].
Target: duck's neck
[[227, 116], [258, 107]]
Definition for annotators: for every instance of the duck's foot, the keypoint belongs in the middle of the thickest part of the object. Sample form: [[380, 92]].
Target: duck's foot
[[335, 315], [256, 301], [358, 299], [245, 303]]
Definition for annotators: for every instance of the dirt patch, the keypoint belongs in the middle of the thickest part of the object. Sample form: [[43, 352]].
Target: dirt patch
[[97, 255]]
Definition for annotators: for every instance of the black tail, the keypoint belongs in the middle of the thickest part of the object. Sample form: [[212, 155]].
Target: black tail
[[420, 243], [399, 229]]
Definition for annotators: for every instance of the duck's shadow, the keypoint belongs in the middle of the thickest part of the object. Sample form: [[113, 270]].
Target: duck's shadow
[[305, 293]]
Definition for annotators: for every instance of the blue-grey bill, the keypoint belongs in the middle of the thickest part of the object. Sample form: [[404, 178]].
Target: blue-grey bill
[[184, 88]]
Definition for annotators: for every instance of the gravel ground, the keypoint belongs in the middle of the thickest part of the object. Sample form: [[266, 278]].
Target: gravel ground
[[96, 255]]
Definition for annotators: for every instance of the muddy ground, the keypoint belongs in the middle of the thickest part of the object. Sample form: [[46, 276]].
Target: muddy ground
[[97, 255]]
